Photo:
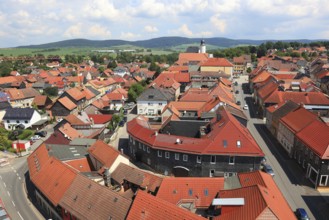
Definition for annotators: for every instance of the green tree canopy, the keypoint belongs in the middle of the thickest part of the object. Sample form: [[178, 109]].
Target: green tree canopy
[[135, 91], [51, 91]]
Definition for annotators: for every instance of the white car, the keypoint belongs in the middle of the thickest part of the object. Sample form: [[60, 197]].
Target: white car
[[35, 137], [245, 107]]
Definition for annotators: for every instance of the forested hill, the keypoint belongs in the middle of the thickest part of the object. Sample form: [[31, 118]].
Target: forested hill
[[161, 42]]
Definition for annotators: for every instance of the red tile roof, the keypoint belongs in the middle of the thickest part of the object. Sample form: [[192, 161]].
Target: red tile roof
[[121, 91], [100, 119], [225, 81], [185, 58], [53, 179], [75, 93], [69, 132], [74, 120], [98, 103], [87, 93], [178, 76], [267, 89], [80, 165], [37, 159], [316, 137], [8, 79], [204, 190], [148, 207], [222, 131], [298, 119], [261, 77], [114, 96], [217, 62], [67, 103], [307, 98], [86, 199], [104, 153]]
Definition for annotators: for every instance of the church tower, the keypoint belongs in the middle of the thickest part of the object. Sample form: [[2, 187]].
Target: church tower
[[202, 47]]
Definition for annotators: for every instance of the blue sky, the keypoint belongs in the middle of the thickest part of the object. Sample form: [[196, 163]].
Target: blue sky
[[25, 22]]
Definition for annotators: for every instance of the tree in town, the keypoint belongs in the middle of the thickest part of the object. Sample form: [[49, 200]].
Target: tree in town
[[134, 91]]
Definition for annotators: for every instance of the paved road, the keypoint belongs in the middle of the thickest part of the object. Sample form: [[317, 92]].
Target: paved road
[[12, 190], [289, 177]]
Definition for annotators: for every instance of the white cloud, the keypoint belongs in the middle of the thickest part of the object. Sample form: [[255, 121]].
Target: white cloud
[[151, 29], [129, 36], [219, 24], [102, 9], [73, 31], [225, 6], [99, 32], [185, 30]]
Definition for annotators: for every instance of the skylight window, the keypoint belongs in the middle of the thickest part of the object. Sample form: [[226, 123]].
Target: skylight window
[[224, 143], [238, 144], [206, 192], [190, 192]]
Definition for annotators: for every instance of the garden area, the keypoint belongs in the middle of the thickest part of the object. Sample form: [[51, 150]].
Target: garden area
[[7, 137]]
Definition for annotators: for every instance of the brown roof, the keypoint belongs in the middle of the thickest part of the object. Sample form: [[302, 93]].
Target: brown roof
[[40, 100], [104, 153], [8, 79], [86, 199], [148, 207], [30, 92], [14, 94], [137, 177], [74, 120], [67, 103], [53, 179], [200, 190]]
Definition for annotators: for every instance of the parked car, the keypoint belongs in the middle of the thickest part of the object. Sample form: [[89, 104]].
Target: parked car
[[301, 214], [245, 107], [41, 133], [238, 102], [35, 138], [268, 169], [122, 123]]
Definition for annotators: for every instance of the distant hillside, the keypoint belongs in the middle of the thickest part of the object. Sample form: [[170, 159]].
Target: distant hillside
[[161, 42]]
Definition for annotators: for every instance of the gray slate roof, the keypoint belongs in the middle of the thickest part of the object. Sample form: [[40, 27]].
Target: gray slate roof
[[153, 94], [83, 141], [18, 114], [66, 152], [95, 91]]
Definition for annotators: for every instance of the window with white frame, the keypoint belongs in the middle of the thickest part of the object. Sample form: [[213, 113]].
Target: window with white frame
[[140, 145], [212, 159], [148, 149], [185, 157], [144, 147], [159, 153], [231, 160], [198, 159], [167, 155], [176, 156]]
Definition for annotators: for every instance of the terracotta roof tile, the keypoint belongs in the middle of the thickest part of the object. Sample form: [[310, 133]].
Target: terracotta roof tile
[[115, 96], [40, 100], [199, 190], [57, 138], [185, 58], [75, 93], [8, 79], [222, 130], [80, 165], [104, 153], [298, 119], [316, 137], [53, 179], [100, 104], [86, 199], [307, 98], [37, 159], [74, 120], [148, 207], [261, 77], [99, 118], [88, 94], [67, 103], [69, 132], [217, 62]]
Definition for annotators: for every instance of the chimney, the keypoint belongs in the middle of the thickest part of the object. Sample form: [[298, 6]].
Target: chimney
[[156, 133], [107, 177]]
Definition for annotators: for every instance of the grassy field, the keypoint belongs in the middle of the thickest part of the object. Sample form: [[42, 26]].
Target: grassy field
[[76, 51]]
